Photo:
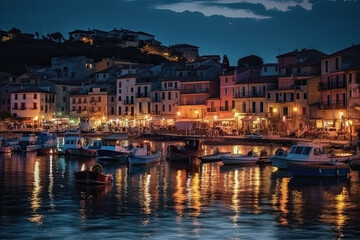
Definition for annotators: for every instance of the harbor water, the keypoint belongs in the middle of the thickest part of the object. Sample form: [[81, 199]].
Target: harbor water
[[167, 200]]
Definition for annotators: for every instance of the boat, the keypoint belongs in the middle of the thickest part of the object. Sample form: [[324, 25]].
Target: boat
[[215, 156], [304, 152], [181, 153], [139, 156], [46, 143], [94, 175], [72, 140], [4, 147], [112, 148], [246, 160], [324, 169], [27, 142]]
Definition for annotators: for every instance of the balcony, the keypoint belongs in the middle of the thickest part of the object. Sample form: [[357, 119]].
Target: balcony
[[225, 109], [211, 110], [194, 91], [155, 100], [128, 102], [142, 95], [93, 102], [332, 85], [248, 95], [332, 105], [193, 103]]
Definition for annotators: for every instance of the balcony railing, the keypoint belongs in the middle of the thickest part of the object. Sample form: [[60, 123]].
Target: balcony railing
[[225, 109], [142, 95], [193, 103], [192, 91], [332, 85], [332, 105], [155, 100], [128, 102], [248, 95], [211, 110]]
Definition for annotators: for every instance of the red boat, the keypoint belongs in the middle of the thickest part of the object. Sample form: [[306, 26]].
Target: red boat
[[94, 175]]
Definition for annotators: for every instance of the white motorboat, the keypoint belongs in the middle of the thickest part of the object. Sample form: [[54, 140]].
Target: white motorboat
[[72, 140], [139, 157], [305, 153], [246, 160], [112, 147], [216, 156]]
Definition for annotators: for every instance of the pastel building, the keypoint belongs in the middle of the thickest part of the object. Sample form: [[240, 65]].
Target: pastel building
[[34, 104]]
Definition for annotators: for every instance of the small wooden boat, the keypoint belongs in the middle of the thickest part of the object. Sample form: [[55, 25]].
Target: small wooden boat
[[136, 159], [94, 175], [216, 156], [181, 153], [246, 160], [320, 169], [82, 152]]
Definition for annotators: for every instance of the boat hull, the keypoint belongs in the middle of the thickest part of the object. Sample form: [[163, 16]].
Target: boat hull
[[140, 160], [213, 157], [175, 154], [111, 155], [5, 149], [46, 150], [282, 162], [240, 160], [90, 177], [318, 170], [82, 152]]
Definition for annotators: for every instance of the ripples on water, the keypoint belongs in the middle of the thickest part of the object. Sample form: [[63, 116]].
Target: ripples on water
[[39, 199]]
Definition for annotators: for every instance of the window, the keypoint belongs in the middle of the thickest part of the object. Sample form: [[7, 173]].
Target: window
[[99, 109], [24, 96], [16, 96], [163, 95], [244, 107], [303, 111], [99, 99], [34, 105], [119, 110], [261, 106], [175, 85], [285, 111], [23, 106], [165, 85], [35, 96], [326, 66], [169, 107], [253, 107], [305, 96], [336, 63], [64, 88], [15, 106], [268, 95], [169, 95], [226, 79], [299, 150], [233, 104], [140, 107], [163, 108], [226, 91], [297, 96]]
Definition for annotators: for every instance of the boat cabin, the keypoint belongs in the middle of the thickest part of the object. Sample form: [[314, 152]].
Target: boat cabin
[[306, 150], [192, 144]]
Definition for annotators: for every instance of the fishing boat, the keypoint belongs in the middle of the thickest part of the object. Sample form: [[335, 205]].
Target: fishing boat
[[27, 142], [94, 175], [305, 153], [112, 148], [46, 143], [139, 157], [181, 153], [72, 140], [324, 169], [4, 147], [246, 160], [215, 156]]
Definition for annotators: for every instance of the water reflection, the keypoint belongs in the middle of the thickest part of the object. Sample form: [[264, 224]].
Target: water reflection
[[35, 199], [202, 201]]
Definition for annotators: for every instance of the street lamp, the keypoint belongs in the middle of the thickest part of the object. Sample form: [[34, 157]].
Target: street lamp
[[197, 113]]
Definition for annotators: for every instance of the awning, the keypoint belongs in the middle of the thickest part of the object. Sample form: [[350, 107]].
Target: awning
[[246, 118]]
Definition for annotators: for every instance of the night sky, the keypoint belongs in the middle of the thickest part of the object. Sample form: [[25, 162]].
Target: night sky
[[236, 28]]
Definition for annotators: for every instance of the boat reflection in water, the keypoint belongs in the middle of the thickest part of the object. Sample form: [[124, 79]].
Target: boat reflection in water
[[206, 200]]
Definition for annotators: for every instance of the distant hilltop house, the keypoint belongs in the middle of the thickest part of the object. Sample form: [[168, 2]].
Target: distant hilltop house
[[128, 38], [188, 51]]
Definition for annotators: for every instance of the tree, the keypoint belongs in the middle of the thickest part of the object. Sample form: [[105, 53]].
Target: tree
[[250, 61], [56, 37], [14, 31], [225, 63]]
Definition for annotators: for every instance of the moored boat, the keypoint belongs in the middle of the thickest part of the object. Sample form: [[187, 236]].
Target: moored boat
[[4, 147], [46, 143], [324, 169], [240, 159], [94, 175], [215, 156], [27, 142], [137, 157], [112, 148], [72, 140], [181, 153], [302, 153]]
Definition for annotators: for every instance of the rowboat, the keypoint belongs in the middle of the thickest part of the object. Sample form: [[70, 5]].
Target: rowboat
[[325, 169], [192, 147], [139, 159], [246, 160], [94, 175]]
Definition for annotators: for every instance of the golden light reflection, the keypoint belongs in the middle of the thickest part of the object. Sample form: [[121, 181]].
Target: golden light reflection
[[334, 211], [145, 192], [255, 182], [51, 184], [195, 202], [121, 186], [280, 199], [179, 196], [298, 206], [35, 199], [235, 197]]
